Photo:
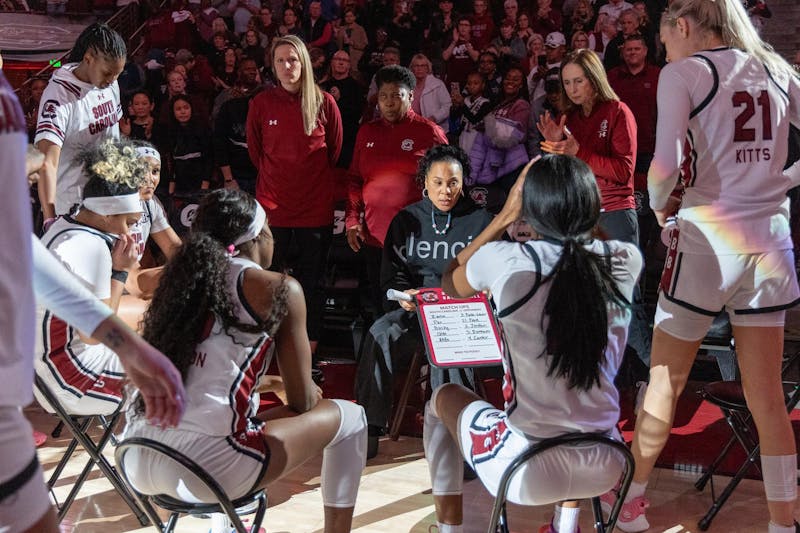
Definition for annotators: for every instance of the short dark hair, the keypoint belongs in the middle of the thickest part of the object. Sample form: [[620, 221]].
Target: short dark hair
[[396, 74], [442, 152]]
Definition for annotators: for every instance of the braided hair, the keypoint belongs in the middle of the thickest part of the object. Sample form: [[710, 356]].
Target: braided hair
[[100, 38]]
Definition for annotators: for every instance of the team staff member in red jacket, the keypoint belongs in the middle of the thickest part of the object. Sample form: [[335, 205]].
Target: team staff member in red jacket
[[599, 129], [294, 136], [382, 176]]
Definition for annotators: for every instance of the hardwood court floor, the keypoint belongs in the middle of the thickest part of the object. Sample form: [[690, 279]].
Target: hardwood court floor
[[395, 497]]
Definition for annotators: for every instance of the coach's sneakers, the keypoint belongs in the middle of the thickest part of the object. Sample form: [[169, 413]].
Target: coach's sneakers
[[631, 517]]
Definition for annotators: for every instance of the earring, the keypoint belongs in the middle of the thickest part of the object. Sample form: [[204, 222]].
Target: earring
[[425, 192]]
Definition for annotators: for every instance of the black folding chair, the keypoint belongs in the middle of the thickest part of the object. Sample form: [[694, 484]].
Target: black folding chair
[[176, 507], [79, 427], [729, 397], [499, 521]]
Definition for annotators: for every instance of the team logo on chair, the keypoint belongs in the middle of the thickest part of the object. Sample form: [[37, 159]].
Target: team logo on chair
[[486, 442], [407, 145]]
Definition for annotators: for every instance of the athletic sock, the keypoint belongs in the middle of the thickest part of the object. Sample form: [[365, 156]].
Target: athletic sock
[[635, 490], [450, 528], [777, 528], [566, 519]]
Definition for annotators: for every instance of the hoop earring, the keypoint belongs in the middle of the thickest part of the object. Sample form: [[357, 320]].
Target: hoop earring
[[425, 192]]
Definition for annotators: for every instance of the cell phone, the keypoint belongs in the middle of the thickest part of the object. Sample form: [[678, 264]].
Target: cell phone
[[542, 61]]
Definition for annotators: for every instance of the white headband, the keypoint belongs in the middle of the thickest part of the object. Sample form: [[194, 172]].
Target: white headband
[[114, 205], [146, 151], [255, 226]]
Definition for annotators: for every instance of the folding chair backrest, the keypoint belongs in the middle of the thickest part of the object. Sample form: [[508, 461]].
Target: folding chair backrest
[[498, 521], [186, 466]]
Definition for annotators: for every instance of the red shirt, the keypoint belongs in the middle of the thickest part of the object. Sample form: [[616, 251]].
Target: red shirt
[[295, 171], [382, 176], [638, 91], [607, 139], [483, 31]]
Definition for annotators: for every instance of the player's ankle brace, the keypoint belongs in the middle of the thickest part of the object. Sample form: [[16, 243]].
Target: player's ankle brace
[[344, 457], [444, 458], [780, 477]]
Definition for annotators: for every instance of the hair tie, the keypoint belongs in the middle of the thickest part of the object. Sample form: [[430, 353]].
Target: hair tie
[[232, 251]]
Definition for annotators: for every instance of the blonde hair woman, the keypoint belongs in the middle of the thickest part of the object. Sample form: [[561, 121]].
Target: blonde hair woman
[[720, 75], [294, 136], [431, 97]]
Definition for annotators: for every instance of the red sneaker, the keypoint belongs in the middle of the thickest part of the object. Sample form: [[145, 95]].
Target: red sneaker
[[631, 517]]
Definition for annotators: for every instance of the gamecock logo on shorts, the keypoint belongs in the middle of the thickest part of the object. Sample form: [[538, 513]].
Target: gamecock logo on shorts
[[486, 442]]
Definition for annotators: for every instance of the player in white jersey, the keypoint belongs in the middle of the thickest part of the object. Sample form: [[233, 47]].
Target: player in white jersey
[[219, 313], [24, 504], [80, 106], [563, 302], [726, 101], [96, 246], [154, 223]]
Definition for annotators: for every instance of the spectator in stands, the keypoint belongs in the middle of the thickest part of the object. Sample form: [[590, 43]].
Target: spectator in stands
[[31, 104], [372, 60], [251, 47], [225, 75], [318, 32], [636, 84], [291, 23], [614, 8], [431, 98], [462, 53], [629, 21], [536, 53], [582, 17], [605, 32], [511, 11], [247, 81], [580, 39], [381, 177], [139, 122], [294, 137], [204, 18], [352, 38], [510, 48], [489, 68], [184, 29], [469, 111], [402, 29], [482, 28], [199, 74], [188, 150], [555, 51], [547, 19], [439, 34], [758, 12], [390, 56], [266, 27], [176, 86], [83, 107], [524, 30], [230, 145], [500, 151], [349, 96], [216, 52], [243, 11], [218, 25]]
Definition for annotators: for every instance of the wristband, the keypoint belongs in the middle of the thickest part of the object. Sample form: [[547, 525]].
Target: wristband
[[119, 275]]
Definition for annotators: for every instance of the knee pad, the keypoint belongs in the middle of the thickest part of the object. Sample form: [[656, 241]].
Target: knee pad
[[344, 457], [780, 477], [445, 463]]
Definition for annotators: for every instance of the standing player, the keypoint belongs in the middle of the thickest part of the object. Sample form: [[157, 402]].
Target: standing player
[[725, 103], [80, 106]]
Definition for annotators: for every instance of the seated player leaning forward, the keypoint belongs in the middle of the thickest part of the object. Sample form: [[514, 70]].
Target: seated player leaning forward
[[233, 316], [563, 303], [421, 241], [96, 246]]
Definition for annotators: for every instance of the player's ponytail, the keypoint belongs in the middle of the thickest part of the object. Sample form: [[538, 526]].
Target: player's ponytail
[[562, 204], [729, 20], [100, 38]]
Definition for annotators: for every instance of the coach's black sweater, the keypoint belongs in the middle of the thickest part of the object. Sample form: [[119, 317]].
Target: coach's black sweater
[[414, 255]]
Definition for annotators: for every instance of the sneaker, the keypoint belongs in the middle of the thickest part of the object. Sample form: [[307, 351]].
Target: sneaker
[[631, 517], [548, 528]]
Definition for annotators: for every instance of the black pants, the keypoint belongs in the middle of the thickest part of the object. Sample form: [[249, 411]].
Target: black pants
[[303, 253]]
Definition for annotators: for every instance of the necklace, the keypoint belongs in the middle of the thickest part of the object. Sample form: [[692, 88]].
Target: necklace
[[436, 230]]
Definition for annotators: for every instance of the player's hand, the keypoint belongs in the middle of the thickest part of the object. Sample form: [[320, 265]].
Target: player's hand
[[355, 237], [160, 385], [232, 185], [125, 253], [125, 126], [568, 146], [669, 210], [512, 209], [412, 305]]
